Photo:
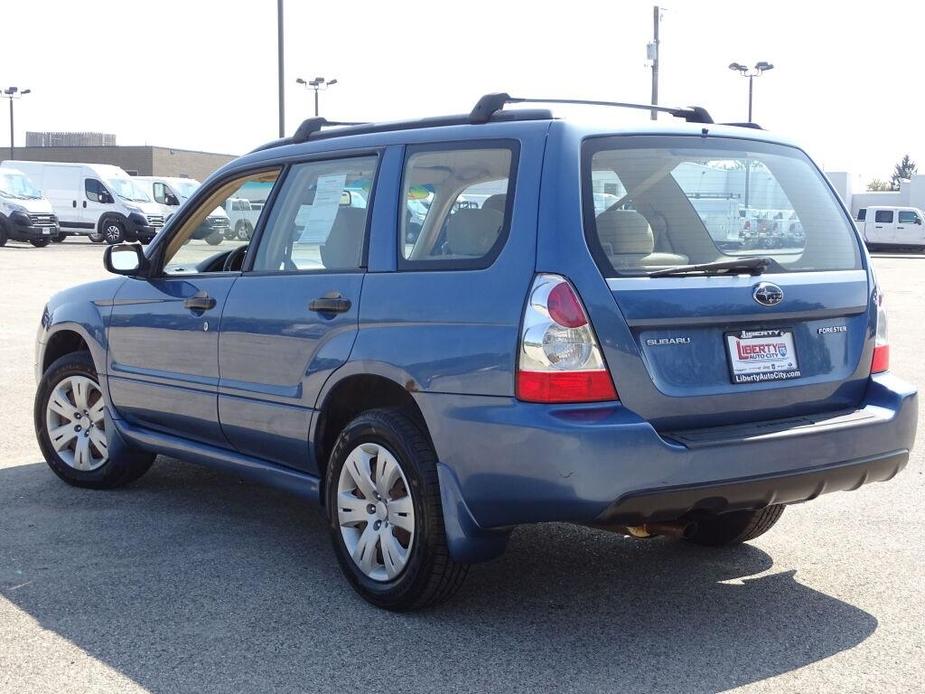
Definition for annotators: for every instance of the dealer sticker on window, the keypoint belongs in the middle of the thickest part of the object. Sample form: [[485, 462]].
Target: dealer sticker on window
[[756, 356]]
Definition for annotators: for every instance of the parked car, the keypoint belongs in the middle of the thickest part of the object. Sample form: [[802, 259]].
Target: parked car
[[170, 192], [242, 217], [25, 215], [95, 200], [523, 361], [891, 226]]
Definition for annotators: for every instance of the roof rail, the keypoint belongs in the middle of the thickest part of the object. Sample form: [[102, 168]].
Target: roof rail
[[753, 126], [490, 104]]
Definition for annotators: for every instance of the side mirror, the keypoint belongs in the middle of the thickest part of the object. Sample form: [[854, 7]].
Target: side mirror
[[106, 198], [125, 259], [171, 199]]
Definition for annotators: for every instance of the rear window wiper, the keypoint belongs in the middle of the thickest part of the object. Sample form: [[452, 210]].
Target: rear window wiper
[[751, 266]]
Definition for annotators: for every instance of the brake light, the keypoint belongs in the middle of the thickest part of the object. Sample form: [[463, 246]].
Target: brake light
[[881, 359], [559, 358]]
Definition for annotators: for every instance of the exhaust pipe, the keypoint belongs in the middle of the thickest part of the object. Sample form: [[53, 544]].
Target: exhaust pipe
[[676, 529]]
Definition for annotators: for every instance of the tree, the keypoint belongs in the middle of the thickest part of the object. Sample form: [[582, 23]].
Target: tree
[[879, 185], [905, 169]]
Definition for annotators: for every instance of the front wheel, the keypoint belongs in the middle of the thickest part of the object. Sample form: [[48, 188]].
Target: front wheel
[[244, 231], [40, 243], [385, 515], [72, 428], [113, 231], [215, 239], [58, 238], [722, 529]]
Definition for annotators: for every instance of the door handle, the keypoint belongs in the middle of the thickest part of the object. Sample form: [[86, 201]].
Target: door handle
[[85, 204], [199, 302], [75, 204], [332, 302], [900, 227], [878, 227]]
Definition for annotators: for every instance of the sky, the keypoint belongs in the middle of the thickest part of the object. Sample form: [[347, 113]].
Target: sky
[[202, 74]]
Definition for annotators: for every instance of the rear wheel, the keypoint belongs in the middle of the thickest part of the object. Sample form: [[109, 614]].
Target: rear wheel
[[40, 243], [71, 427], [717, 530], [215, 239], [243, 230], [386, 520], [96, 237]]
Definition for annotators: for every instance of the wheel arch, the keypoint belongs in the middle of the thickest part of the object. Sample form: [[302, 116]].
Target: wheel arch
[[346, 399], [64, 340], [122, 219]]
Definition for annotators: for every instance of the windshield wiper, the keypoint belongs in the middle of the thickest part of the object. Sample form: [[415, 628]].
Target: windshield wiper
[[751, 266]]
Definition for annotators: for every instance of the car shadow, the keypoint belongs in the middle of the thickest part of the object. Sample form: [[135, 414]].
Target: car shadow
[[191, 580]]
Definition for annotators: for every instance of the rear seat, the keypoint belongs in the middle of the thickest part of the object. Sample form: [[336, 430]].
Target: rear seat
[[628, 241]]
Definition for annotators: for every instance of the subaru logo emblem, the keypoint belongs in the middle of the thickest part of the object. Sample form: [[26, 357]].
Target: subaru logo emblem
[[768, 294]]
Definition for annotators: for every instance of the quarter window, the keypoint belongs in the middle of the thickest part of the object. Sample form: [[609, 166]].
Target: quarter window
[[862, 214], [318, 222], [456, 207], [884, 217]]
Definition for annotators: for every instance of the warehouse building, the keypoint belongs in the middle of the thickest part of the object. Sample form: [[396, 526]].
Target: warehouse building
[[141, 160]]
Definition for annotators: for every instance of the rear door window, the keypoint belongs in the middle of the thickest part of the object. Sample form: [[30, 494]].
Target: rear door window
[[884, 217], [652, 203], [456, 205]]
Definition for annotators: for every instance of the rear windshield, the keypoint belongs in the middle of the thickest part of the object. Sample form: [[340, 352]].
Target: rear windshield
[[656, 202]]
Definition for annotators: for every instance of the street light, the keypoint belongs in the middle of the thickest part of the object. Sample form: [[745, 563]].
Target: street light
[[12, 93], [752, 73], [317, 84]]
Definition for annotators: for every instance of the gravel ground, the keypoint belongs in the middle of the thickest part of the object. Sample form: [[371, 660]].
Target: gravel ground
[[192, 580]]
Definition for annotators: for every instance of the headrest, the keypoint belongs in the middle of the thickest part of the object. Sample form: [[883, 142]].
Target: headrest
[[625, 232], [343, 248], [473, 231], [496, 202]]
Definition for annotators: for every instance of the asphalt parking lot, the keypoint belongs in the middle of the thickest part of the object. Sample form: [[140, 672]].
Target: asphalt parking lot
[[190, 580]]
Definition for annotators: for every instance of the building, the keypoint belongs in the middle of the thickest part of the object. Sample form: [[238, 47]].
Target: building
[[854, 192], [52, 139], [136, 160]]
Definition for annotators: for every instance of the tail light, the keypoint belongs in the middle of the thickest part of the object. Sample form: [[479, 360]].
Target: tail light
[[881, 360], [559, 358]]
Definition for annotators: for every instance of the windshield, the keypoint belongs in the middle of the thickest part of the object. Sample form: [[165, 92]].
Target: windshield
[[126, 189], [185, 188], [653, 203], [16, 185]]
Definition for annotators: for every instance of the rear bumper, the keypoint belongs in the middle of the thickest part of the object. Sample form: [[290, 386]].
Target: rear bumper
[[505, 462]]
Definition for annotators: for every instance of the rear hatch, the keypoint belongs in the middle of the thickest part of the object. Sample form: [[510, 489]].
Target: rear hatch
[[775, 321]]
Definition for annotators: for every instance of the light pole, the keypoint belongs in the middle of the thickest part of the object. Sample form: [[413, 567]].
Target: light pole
[[12, 93], [280, 68], [751, 74], [317, 84]]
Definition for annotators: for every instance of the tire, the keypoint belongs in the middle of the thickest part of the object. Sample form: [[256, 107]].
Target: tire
[[215, 239], [58, 238], [40, 243], [96, 237], [113, 231], [734, 528], [93, 468], [3, 236], [243, 231], [422, 572]]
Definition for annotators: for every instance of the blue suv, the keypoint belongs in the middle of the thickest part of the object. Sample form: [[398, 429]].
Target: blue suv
[[527, 319]]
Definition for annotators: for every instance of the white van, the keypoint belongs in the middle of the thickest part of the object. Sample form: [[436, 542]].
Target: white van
[[170, 192], [24, 214], [98, 200], [891, 226]]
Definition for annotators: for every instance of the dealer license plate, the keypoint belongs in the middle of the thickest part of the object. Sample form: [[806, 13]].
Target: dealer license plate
[[756, 356]]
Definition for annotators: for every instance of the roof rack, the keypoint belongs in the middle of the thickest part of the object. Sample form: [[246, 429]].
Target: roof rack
[[490, 104], [749, 124]]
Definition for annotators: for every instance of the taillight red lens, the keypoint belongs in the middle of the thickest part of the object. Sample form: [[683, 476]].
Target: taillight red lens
[[881, 360], [568, 386], [564, 307]]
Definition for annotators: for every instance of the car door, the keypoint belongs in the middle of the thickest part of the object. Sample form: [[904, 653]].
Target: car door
[[163, 331], [881, 229], [909, 229], [96, 200], [292, 317]]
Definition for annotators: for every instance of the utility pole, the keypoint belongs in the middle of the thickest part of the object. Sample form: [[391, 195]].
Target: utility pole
[[653, 56], [282, 88]]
